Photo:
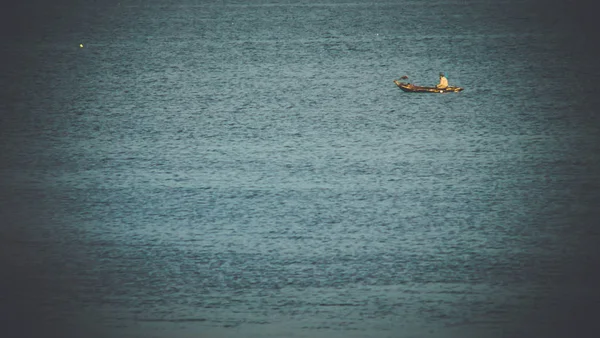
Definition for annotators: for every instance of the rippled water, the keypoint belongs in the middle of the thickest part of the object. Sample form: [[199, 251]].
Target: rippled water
[[249, 169]]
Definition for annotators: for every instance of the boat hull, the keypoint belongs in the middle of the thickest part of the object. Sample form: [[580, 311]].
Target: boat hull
[[410, 88]]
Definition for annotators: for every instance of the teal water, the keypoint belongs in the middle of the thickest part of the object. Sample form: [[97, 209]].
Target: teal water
[[249, 169]]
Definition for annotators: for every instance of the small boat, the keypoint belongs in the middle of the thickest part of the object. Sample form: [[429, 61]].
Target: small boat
[[408, 87]]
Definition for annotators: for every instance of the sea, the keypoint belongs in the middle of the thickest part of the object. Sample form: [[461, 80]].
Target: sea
[[204, 168]]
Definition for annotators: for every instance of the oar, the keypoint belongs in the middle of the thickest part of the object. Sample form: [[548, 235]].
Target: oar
[[404, 77]]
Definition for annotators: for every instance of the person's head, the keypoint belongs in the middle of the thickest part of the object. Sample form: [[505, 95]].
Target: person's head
[[441, 74]]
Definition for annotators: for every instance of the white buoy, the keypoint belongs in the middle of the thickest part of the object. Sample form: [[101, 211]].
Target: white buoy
[[81, 45]]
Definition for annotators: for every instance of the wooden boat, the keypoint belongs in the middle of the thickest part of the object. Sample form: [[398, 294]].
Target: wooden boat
[[408, 87]]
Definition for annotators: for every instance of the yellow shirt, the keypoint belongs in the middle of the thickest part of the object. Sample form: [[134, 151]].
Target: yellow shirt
[[443, 83]]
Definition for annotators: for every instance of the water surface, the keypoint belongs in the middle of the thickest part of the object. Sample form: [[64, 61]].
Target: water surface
[[249, 169]]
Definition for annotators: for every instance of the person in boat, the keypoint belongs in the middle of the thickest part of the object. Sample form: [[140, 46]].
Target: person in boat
[[443, 82]]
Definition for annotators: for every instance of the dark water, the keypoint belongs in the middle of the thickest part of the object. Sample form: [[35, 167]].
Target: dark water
[[249, 169]]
